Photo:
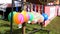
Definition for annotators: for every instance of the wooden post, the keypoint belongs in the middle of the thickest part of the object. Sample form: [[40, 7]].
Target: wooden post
[[23, 28], [24, 5], [23, 25]]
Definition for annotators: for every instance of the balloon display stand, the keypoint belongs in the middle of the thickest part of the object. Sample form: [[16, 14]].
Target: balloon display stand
[[22, 18]]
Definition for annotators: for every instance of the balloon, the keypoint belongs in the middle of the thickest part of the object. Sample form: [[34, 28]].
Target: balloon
[[15, 18], [21, 18], [31, 16], [26, 17], [41, 19], [35, 17], [45, 16], [9, 16], [18, 18]]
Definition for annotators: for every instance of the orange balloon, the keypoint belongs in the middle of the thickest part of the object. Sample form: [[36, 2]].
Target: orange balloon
[[16, 19], [24, 13]]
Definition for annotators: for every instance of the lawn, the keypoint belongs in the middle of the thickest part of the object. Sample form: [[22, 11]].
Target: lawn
[[54, 27]]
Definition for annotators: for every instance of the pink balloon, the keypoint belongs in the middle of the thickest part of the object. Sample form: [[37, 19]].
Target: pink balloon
[[21, 18], [28, 16]]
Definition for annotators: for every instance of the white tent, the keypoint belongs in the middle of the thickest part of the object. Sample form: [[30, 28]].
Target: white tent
[[5, 1]]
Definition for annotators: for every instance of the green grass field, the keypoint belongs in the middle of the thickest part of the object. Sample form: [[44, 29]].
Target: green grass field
[[54, 27]]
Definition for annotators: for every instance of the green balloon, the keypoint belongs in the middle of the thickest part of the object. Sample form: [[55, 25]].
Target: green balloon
[[31, 16], [9, 16]]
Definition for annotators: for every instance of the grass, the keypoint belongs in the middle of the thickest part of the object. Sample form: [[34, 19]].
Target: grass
[[54, 27]]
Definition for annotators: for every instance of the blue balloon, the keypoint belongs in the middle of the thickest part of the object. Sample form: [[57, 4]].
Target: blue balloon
[[45, 16]]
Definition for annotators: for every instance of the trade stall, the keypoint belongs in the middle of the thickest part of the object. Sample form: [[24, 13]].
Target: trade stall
[[6, 8]]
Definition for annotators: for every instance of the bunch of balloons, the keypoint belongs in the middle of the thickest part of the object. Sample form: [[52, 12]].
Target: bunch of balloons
[[30, 17]]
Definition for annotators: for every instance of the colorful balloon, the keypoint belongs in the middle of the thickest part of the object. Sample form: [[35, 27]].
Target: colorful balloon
[[45, 16], [15, 18], [9, 16], [31, 16], [36, 17], [21, 18], [18, 18], [41, 19], [26, 16]]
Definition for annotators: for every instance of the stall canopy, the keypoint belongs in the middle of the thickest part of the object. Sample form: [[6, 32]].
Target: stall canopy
[[5, 1]]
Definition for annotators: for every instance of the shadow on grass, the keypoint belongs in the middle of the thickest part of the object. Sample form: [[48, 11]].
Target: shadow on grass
[[5, 25], [40, 31], [15, 31]]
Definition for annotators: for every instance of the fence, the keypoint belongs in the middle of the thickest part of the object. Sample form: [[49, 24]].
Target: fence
[[52, 12]]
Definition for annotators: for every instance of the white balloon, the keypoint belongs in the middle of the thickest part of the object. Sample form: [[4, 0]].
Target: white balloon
[[36, 17], [41, 19]]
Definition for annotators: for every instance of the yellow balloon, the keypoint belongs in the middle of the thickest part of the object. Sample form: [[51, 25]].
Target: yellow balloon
[[24, 13]]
